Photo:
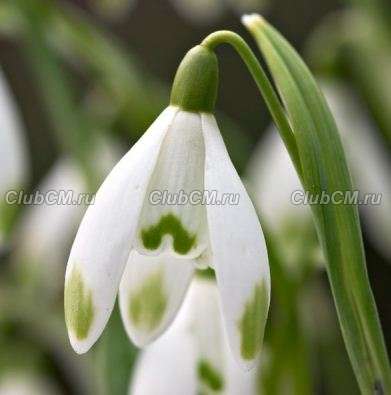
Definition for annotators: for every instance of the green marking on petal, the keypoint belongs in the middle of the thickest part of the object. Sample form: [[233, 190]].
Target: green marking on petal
[[252, 323], [148, 305], [210, 376], [79, 310], [168, 224]]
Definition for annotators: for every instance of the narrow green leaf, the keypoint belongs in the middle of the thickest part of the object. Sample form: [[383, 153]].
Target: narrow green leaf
[[324, 168]]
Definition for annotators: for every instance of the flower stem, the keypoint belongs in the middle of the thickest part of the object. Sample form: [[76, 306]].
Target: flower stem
[[266, 88]]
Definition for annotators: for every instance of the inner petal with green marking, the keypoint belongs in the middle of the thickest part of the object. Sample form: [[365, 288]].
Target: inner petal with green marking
[[79, 309], [173, 218], [147, 305], [169, 224], [252, 322]]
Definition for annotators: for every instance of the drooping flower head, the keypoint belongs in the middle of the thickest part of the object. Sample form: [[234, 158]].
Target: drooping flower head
[[141, 233]]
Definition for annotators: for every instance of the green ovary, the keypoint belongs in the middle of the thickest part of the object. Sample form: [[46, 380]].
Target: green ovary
[[171, 225], [210, 376], [79, 310], [252, 323], [148, 305]]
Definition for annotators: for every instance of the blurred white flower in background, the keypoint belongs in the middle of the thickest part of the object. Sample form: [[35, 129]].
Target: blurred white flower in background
[[193, 356], [13, 151], [26, 383], [196, 11], [207, 11], [369, 161], [199, 11], [272, 177], [46, 231]]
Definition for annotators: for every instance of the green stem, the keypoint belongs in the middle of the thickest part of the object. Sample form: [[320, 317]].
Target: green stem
[[264, 85]]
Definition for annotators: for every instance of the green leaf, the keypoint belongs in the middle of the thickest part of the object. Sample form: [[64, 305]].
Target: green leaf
[[324, 168], [115, 357]]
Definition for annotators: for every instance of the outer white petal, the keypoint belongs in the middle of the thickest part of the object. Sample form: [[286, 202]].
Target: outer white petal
[[151, 292], [239, 252], [173, 225], [104, 239]]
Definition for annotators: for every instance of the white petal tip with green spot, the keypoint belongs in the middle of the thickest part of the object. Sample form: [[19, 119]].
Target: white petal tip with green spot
[[239, 253], [151, 292]]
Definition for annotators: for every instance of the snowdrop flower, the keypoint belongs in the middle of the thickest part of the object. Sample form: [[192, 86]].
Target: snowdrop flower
[[154, 248], [12, 148], [196, 346], [368, 162]]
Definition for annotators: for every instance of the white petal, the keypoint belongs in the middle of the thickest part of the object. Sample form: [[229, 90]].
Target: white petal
[[239, 252], [104, 240], [179, 227], [205, 324], [167, 367], [151, 292], [196, 346]]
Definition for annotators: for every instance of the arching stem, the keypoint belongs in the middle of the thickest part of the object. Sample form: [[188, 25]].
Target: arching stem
[[264, 85]]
